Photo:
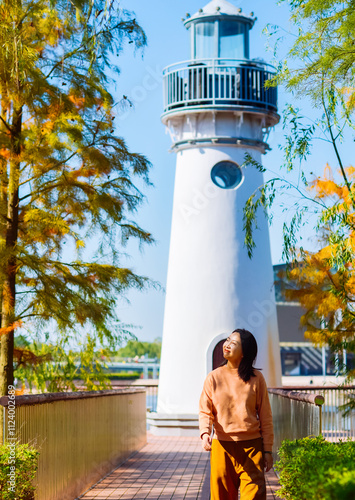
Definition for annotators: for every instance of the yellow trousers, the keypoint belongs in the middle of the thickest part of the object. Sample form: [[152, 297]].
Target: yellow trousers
[[234, 465]]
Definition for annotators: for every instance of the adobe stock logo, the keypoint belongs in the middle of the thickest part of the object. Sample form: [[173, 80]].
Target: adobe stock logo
[[151, 81], [199, 201], [261, 311]]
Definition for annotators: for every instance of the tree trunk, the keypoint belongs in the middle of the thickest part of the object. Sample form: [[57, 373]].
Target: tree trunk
[[10, 264]]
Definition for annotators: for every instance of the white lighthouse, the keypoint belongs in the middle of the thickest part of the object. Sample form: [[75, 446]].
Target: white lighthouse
[[217, 110]]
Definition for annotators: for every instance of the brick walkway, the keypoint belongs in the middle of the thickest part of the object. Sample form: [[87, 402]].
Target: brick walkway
[[166, 468]]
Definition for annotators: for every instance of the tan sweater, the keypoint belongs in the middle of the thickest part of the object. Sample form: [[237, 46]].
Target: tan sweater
[[238, 410]]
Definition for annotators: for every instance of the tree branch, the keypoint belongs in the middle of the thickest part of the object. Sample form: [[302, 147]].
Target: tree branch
[[335, 146], [6, 124]]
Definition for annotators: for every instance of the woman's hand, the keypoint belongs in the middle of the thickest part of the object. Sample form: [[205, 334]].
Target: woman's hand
[[268, 461], [206, 442]]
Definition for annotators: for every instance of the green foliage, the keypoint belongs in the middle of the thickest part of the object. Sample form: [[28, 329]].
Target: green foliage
[[123, 376], [65, 368], [312, 468], [135, 348], [325, 44], [25, 463], [301, 133]]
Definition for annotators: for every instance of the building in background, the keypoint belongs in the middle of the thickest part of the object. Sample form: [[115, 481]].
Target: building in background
[[299, 357]]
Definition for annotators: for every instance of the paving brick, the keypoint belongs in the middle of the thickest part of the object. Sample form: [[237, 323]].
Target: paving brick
[[165, 469]]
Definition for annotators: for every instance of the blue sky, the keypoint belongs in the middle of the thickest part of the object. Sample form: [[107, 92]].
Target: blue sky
[[140, 126]]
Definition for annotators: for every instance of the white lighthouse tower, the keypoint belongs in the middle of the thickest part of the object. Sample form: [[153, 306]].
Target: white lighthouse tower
[[217, 110]]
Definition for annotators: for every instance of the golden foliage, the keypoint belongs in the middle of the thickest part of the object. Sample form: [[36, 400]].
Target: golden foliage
[[10, 327], [323, 282]]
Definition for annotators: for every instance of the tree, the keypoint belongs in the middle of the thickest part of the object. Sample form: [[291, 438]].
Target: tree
[[55, 368], [323, 282], [136, 348], [325, 45], [319, 66], [323, 286], [65, 177]]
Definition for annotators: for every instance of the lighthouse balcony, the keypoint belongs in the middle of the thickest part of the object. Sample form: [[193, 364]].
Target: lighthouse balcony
[[219, 84]]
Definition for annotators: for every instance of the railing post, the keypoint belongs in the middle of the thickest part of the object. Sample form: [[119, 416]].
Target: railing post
[[295, 414], [213, 82], [320, 419]]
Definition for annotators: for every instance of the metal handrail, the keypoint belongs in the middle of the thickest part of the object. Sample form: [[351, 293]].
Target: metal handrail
[[210, 83], [335, 425], [295, 415], [219, 62], [315, 399], [303, 397]]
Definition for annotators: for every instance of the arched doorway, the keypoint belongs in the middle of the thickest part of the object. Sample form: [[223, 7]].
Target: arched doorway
[[217, 356]]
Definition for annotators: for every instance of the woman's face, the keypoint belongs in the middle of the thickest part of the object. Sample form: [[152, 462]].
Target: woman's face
[[232, 348]]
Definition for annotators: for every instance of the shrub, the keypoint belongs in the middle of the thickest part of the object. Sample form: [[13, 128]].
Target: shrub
[[22, 466], [312, 468], [123, 376]]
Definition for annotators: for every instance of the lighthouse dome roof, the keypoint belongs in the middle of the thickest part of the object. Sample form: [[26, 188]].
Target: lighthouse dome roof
[[220, 8]]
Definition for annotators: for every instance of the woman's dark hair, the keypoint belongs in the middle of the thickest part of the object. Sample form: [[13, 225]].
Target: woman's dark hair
[[250, 351]]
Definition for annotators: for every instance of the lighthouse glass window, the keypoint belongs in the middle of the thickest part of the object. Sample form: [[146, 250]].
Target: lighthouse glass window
[[231, 40], [205, 41], [226, 175]]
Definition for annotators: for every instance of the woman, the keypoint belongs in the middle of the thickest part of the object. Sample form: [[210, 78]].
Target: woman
[[235, 402]]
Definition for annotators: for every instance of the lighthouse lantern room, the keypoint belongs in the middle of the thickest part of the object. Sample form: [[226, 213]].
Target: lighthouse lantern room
[[217, 110], [216, 36]]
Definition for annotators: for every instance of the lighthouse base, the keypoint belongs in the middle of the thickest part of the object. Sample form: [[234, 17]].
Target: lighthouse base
[[163, 424]]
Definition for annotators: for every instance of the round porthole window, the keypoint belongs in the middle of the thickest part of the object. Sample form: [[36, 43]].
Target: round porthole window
[[226, 175]]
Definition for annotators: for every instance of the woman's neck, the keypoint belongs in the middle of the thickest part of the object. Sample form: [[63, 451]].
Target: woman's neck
[[233, 365]]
